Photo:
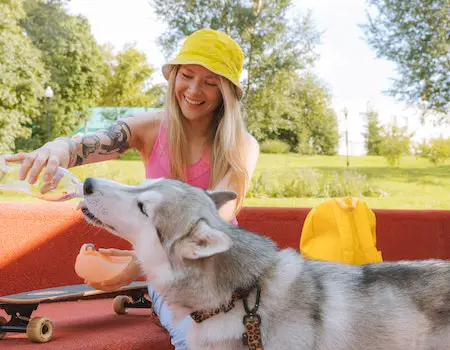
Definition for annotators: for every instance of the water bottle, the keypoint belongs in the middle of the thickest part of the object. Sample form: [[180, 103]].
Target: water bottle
[[64, 185]]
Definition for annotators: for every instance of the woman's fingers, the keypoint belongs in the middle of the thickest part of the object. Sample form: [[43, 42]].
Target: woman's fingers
[[47, 187], [27, 163], [39, 163], [51, 168], [50, 156], [15, 157]]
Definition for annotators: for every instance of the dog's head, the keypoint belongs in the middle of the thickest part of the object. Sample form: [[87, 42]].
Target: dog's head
[[179, 217]]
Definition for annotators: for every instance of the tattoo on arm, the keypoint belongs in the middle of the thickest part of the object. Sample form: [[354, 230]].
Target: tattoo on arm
[[115, 139], [118, 133], [79, 161], [89, 144]]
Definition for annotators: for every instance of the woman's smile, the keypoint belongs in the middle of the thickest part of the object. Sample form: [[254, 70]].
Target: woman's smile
[[192, 101]]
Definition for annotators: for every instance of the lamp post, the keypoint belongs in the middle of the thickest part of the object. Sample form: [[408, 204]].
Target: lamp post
[[48, 95], [346, 134]]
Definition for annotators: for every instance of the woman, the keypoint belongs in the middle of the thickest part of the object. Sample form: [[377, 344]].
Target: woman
[[199, 137]]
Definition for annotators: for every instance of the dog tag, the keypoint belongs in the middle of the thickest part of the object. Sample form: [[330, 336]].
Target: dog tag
[[245, 339], [252, 335]]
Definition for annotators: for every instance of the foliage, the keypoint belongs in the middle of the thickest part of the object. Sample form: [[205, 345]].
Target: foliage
[[70, 53], [311, 183], [372, 136], [415, 35], [396, 142], [128, 75], [436, 150], [113, 113], [296, 110], [269, 38], [274, 146], [282, 99], [131, 154], [317, 129], [415, 184], [22, 77]]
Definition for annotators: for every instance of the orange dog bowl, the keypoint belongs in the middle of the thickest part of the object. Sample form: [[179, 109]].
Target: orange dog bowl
[[93, 266]]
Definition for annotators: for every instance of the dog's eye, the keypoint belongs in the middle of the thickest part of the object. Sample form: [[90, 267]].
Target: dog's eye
[[141, 208]]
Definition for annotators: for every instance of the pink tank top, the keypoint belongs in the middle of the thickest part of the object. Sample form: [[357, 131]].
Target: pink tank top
[[198, 174]]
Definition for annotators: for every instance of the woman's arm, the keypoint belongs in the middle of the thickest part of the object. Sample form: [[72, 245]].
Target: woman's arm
[[104, 144], [252, 154], [137, 132]]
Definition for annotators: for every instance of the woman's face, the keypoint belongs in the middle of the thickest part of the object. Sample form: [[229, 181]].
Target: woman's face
[[197, 92]]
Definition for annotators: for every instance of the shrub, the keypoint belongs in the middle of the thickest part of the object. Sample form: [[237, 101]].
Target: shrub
[[305, 182], [260, 186], [274, 146], [131, 154], [311, 183], [435, 150], [396, 141]]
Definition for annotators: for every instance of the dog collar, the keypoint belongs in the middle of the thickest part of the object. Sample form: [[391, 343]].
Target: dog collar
[[200, 316]]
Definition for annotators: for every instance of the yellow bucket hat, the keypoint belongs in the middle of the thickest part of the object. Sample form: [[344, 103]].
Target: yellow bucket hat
[[215, 51]]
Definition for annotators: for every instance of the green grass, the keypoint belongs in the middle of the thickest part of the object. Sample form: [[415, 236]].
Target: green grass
[[416, 183]]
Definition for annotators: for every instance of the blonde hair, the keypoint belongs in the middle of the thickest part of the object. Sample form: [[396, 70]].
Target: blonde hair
[[227, 135]]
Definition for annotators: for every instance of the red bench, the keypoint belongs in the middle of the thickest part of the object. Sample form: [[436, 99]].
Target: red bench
[[39, 242]]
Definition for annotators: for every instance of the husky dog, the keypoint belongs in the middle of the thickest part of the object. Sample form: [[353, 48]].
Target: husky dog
[[196, 261]]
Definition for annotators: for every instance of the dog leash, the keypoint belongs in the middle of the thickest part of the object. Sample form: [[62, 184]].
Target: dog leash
[[252, 321]]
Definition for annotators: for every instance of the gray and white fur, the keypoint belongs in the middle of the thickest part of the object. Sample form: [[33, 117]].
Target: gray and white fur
[[195, 260]]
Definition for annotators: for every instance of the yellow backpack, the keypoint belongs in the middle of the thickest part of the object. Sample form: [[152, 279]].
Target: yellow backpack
[[341, 230]]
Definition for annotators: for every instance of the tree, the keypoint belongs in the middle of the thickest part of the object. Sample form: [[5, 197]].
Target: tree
[[372, 136], [272, 36], [22, 76], [296, 110], [415, 35], [317, 128], [128, 76], [72, 56], [436, 150], [396, 142], [278, 46]]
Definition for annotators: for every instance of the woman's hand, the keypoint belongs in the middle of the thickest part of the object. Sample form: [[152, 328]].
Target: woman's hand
[[53, 154], [128, 275]]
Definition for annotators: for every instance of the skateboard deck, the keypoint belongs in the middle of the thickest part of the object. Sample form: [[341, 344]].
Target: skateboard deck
[[64, 293], [20, 306]]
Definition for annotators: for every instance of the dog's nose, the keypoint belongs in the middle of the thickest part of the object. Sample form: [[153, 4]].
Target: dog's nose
[[88, 186]]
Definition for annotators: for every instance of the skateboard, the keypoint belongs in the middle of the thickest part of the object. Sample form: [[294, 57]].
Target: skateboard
[[40, 329]]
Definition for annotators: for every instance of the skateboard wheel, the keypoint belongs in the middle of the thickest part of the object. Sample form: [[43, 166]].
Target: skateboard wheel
[[40, 329], [2, 321], [119, 304]]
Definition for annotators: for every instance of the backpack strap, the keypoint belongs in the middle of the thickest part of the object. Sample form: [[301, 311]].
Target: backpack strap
[[360, 218], [345, 232], [366, 225]]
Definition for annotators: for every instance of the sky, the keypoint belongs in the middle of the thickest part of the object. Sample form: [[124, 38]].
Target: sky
[[347, 65]]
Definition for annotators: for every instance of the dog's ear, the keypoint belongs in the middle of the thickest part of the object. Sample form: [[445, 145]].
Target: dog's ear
[[220, 197], [205, 241]]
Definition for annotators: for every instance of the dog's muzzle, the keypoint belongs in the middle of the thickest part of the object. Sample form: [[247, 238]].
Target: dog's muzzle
[[91, 218]]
